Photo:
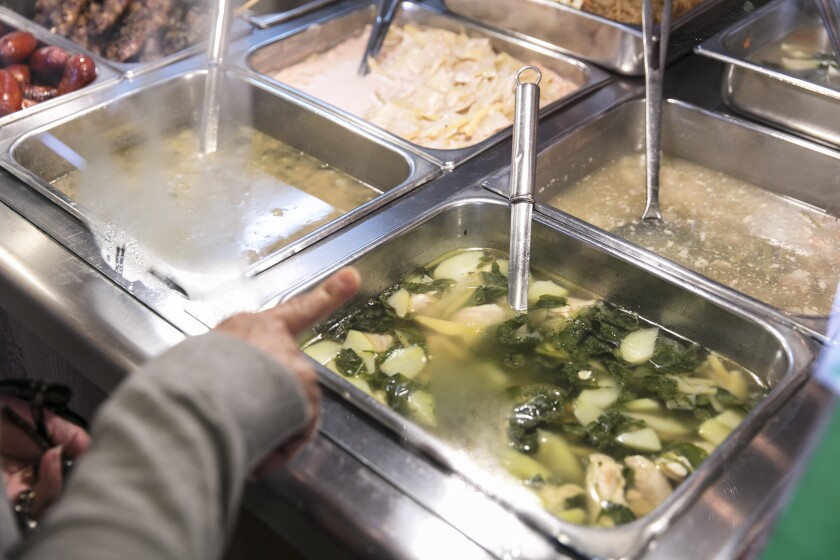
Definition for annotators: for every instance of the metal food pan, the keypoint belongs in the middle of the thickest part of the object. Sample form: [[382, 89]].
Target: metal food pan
[[104, 73], [266, 13], [800, 171], [770, 94], [267, 55], [114, 121], [613, 45], [25, 9], [469, 220]]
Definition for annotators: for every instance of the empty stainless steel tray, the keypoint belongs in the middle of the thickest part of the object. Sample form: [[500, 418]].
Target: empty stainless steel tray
[[268, 54], [194, 263], [769, 93], [613, 45], [803, 174], [470, 220]]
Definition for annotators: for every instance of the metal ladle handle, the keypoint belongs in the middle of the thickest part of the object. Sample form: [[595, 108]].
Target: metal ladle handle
[[656, 58], [522, 181]]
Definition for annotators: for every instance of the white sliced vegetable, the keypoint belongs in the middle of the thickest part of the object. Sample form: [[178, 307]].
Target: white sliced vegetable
[[361, 344], [694, 385], [441, 326], [733, 381], [407, 361], [522, 466], [504, 267], [459, 266], [323, 351], [544, 288], [800, 64], [637, 347], [586, 412], [730, 418], [480, 315], [422, 408], [643, 405], [381, 342], [643, 440], [713, 431], [399, 301], [666, 428], [650, 487], [419, 302], [555, 454], [602, 398], [574, 515]]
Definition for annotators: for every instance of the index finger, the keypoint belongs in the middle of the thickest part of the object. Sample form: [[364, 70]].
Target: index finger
[[305, 310]]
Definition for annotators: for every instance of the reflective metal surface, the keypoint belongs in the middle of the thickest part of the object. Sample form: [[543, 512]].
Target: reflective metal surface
[[769, 94], [265, 13], [272, 50], [106, 122], [372, 484], [777, 163], [613, 45]]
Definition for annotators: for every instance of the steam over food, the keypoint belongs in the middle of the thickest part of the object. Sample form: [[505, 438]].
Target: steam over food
[[433, 87], [597, 411]]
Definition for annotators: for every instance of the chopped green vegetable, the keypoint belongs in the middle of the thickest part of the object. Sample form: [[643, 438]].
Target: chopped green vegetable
[[671, 356], [349, 363], [602, 433], [548, 302], [486, 294], [508, 333], [618, 513], [576, 501], [694, 454], [373, 318], [439, 285]]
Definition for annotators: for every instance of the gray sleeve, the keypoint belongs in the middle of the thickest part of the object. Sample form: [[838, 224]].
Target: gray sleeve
[[170, 453]]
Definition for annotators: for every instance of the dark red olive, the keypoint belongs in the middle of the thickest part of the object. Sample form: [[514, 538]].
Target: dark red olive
[[21, 73], [10, 94], [79, 72], [48, 63], [16, 47]]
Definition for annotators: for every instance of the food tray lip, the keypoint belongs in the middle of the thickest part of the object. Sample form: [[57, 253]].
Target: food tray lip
[[105, 74], [239, 28], [619, 542], [715, 48], [447, 159], [814, 325], [630, 35], [420, 171], [630, 28], [264, 21]]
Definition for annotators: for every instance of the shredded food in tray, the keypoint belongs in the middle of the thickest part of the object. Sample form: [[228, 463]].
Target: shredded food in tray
[[433, 87], [628, 11]]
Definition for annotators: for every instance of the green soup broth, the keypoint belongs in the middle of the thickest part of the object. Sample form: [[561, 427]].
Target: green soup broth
[[599, 412]]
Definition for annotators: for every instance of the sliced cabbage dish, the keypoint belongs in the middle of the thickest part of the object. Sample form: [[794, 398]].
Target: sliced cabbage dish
[[597, 411]]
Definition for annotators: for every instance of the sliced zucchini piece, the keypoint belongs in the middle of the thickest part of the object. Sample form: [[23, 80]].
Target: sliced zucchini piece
[[323, 351], [408, 361], [637, 347]]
